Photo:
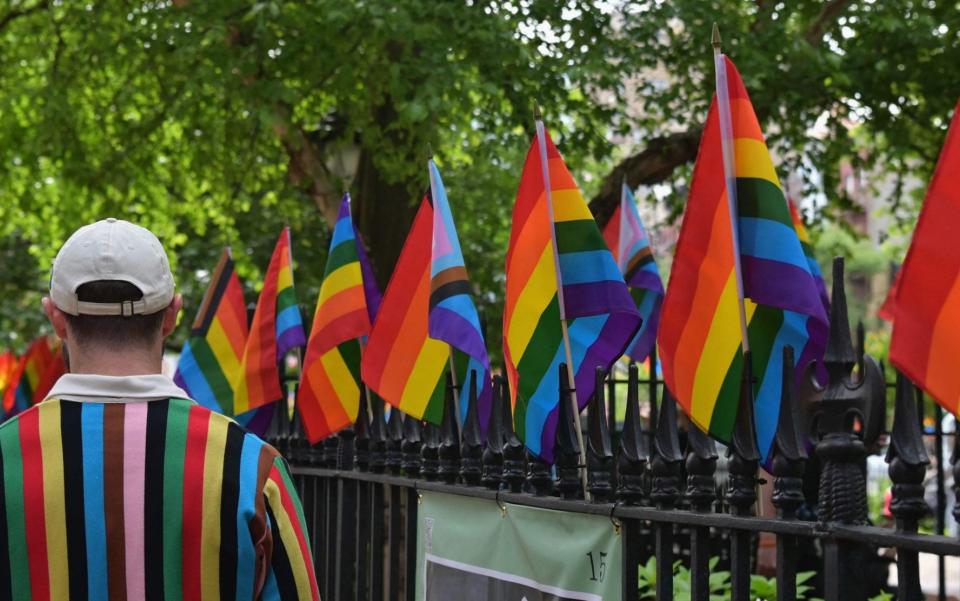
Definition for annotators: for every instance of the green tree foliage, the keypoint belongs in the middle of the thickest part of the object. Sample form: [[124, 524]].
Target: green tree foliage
[[216, 122]]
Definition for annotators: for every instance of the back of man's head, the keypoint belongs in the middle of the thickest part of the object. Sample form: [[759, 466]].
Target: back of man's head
[[112, 284]]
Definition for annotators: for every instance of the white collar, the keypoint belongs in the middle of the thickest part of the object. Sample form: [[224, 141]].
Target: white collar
[[115, 389]]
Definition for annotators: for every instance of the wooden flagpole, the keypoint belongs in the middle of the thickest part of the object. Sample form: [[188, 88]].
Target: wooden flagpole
[[545, 169], [730, 174]]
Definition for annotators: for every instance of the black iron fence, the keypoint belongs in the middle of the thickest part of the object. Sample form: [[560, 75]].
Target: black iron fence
[[655, 477]]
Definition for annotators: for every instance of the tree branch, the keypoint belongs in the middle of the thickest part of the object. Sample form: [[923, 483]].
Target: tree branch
[[652, 165], [22, 12], [829, 12]]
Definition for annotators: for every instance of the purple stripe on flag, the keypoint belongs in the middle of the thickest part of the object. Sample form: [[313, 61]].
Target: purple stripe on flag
[[609, 345], [370, 288], [450, 327], [781, 285], [288, 339], [643, 344], [594, 298], [648, 280]]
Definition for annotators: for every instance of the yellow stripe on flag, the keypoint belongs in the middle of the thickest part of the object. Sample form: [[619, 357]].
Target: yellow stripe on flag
[[284, 278], [719, 349], [424, 376], [343, 277], [223, 350], [342, 380], [540, 290], [753, 160], [568, 205]]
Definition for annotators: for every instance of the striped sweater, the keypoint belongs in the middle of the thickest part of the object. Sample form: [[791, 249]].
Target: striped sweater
[[159, 499]]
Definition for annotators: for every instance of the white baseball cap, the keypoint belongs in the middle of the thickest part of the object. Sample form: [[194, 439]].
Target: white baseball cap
[[114, 250]]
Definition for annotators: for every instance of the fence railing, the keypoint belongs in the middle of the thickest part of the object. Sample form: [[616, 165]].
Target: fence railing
[[656, 479]]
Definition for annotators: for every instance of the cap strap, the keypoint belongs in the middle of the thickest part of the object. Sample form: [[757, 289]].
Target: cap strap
[[125, 308]]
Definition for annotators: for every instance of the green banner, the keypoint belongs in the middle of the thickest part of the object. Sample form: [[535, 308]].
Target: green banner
[[473, 550]]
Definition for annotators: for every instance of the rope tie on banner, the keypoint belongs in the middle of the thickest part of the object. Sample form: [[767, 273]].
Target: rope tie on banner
[[617, 524], [501, 505]]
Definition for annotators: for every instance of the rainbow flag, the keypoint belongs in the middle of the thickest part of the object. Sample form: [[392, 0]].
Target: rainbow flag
[[25, 383], [209, 363], [552, 227], [51, 373], [8, 367], [925, 301], [330, 390], [630, 245], [700, 333], [453, 317], [402, 363], [804, 238], [275, 330]]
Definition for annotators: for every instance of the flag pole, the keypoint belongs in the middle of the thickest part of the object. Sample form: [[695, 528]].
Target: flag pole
[[360, 341], [621, 260], [730, 174], [545, 169]]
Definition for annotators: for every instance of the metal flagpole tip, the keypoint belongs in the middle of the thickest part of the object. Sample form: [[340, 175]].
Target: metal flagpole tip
[[715, 38], [429, 151], [537, 115]]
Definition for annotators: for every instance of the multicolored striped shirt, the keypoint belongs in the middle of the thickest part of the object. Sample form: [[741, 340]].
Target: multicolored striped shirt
[[125, 495]]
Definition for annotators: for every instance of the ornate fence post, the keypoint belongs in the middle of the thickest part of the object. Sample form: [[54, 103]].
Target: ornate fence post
[[701, 494], [955, 461], [744, 459], [471, 445], [430, 452], [633, 453], [599, 452], [567, 447], [665, 491], [789, 459], [513, 451], [378, 437], [361, 442], [835, 417], [395, 441], [410, 448], [908, 461], [449, 451], [492, 474]]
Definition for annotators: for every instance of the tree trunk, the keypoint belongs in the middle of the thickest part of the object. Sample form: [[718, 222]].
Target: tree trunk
[[383, 212], [652, 165]]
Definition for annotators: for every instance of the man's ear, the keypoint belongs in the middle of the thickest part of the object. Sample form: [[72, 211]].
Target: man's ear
[[58, 319], [170, 315]]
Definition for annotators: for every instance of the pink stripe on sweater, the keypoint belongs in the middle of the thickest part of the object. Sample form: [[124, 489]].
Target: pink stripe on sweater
[[134, 455]]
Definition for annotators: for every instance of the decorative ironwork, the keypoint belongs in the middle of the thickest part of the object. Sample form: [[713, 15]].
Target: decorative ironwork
[[378, 436], [789, 450], [449, 451], [633, 454], [567, 448], [599, 448], [492, 476], [908, 461], [361, 440], [471, 444], [430, 452], [410, 448], [513, 452], [394, 461], [836, 417]]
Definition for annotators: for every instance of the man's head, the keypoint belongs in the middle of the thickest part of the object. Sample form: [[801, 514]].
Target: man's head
[[112, 293]]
